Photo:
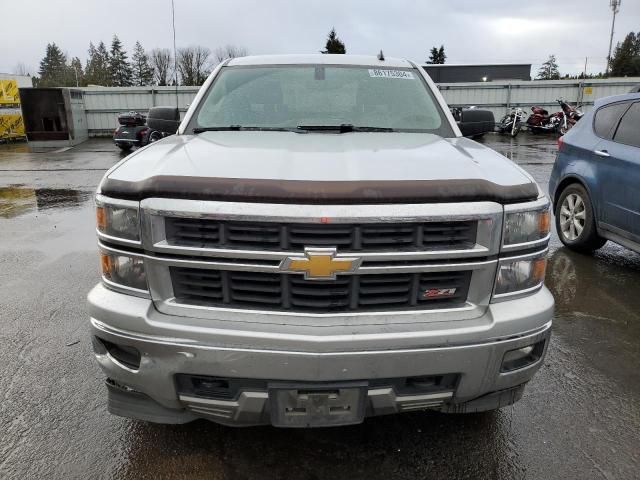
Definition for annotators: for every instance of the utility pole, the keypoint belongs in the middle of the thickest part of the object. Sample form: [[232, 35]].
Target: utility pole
[[615, 8], [175, 52]]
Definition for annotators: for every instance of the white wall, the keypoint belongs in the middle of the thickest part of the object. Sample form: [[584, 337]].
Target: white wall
[[21, 80], [103, 104], [500, 96]]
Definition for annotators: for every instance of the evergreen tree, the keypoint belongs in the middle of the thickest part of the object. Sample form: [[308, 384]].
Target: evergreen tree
[[118, 65], [97, 67], [89, 66], [625, 61], [104, 62], [437, 56], [334, 44], [53, 68], [549, 69], [76, 74], [142, 70]]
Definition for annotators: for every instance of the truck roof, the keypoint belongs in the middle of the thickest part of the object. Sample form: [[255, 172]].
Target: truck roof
[[319, 58]]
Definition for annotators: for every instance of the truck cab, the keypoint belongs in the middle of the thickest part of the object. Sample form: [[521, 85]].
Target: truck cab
[[318, 244]]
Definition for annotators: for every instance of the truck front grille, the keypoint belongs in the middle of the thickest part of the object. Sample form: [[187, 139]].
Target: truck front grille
[[290, 292], [205, 233]]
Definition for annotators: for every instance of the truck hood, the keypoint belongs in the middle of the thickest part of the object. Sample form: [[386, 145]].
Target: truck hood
[[289, 167]]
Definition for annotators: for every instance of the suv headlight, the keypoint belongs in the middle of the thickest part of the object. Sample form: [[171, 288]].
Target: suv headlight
[[123, 271], [520, 275], [119, 219], [526, 226]]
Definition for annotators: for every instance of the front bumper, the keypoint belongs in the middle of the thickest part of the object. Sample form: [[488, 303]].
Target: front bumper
[[173, 345]]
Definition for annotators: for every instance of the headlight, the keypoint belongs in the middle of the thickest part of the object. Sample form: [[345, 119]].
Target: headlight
[[528, 226], [118, 220], [124, 270], [520, 275]]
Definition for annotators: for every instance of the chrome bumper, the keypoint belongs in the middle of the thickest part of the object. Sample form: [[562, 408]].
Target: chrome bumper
[[473, 349]]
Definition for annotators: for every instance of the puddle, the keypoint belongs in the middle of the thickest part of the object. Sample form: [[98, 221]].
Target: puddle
[[18, 200], [598, 310], [525, 149]]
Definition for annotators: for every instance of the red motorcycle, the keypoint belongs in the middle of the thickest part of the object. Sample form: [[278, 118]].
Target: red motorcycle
[[560, 122]]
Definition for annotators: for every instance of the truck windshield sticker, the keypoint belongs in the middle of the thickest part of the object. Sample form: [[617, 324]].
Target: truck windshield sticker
[[376, 73]]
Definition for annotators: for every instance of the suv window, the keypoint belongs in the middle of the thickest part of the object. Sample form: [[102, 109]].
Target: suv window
[[289, 96], [629, 130], [607, 118]]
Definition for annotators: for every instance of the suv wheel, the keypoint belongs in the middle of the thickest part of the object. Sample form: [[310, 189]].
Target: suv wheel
[[154, 136], [575, 220]]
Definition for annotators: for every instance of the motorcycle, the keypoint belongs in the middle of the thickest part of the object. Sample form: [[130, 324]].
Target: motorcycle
[[540, 121], [570, 117], [511, 123]]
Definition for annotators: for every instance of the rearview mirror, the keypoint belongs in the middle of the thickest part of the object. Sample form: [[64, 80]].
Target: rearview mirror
[[164, 119]]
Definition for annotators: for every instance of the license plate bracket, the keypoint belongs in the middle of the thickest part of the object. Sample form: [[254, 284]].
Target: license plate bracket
[[313, 405]]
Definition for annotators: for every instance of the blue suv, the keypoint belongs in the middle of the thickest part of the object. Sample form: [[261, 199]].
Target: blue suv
[[595, 182]]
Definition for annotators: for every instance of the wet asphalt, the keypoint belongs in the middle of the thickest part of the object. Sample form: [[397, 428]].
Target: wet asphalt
[[579, 418]]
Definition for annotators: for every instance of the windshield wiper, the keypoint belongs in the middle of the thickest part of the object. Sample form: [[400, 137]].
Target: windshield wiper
[[237, 128], [343, 128]]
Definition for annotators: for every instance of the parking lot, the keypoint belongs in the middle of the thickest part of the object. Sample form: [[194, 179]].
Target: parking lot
[[579, 418]]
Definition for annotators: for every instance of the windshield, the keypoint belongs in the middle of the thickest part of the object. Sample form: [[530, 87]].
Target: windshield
[[295, 97]]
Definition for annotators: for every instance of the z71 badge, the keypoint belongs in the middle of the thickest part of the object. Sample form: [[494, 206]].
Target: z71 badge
[[439, 292]]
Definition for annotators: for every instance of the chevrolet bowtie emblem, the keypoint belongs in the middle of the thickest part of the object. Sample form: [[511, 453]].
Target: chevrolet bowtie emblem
[[320, 264]]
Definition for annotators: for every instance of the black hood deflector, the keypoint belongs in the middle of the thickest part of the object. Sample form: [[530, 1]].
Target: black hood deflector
[[319, 192]]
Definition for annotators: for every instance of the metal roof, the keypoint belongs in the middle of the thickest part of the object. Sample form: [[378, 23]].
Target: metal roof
[[445, 65], [319, 58]]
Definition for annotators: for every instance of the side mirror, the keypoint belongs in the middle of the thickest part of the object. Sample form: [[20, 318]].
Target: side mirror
[[475, 122], [164, 119]]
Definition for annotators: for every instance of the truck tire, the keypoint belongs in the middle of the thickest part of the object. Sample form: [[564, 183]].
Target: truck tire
[[575, 220]]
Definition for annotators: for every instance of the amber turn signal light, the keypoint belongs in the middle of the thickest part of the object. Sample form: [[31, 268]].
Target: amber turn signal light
[[544, 222], [538, 269], [101, 218]]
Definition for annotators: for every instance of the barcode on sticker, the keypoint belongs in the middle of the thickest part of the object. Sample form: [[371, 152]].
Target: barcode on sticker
[[377, 73]]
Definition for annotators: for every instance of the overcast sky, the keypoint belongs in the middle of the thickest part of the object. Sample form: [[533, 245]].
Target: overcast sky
[[472, 31]]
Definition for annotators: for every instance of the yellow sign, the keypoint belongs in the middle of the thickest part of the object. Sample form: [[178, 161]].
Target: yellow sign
[[11, 125], [9, 92], [320, 264], [588, 90]]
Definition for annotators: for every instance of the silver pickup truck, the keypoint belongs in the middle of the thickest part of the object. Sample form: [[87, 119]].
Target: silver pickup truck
[[318, 244]]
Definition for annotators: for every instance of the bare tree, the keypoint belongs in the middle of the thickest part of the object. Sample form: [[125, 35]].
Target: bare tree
[[162, 64], [193, 64], [229, 51], [22, 69]]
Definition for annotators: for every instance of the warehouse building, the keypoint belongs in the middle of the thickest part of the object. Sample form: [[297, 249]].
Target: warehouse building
[[448, 73]]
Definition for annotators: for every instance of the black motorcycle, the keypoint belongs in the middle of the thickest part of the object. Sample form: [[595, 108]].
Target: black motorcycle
[[133, 131], [512, 122]]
